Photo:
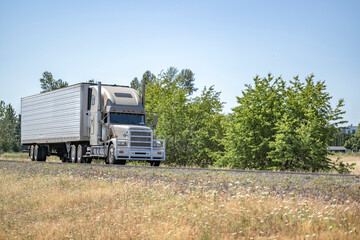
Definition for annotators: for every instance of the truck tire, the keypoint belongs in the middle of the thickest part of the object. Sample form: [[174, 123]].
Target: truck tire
[[73, 154], [155, 163], [31, 152], [39, 153], [121, 162], [110, 159], [79, 155]]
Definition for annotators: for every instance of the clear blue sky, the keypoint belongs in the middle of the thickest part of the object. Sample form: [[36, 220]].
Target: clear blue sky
[[225, 43]]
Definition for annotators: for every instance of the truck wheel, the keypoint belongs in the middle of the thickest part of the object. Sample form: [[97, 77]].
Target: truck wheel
[[73, 153], [80, 151], [111, 155], [155, 163], [31, 153]]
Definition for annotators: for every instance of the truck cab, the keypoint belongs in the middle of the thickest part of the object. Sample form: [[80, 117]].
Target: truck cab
[[117, 127]]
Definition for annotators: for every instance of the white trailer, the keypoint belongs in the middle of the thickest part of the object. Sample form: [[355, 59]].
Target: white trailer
[[86, 121]]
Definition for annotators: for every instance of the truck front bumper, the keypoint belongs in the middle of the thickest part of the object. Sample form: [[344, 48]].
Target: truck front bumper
[[132, 154], [147, 154]]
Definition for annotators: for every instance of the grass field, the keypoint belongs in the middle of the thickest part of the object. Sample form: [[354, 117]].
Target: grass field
[[349, 159], [42, 201], [346, 158]]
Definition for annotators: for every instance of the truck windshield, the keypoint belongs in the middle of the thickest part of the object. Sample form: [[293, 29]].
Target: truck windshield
[[126, 118]]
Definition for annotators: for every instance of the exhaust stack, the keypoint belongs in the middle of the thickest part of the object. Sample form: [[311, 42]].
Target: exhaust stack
[[99, 112], [143, 95]]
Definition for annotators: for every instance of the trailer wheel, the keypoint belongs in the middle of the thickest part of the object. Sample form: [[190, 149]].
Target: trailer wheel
[[43, 153], [39, 153], [31, 153], [73, 153], [36, 153], [80, 153]]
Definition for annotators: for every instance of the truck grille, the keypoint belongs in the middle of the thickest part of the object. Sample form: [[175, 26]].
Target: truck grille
[[140, 138]]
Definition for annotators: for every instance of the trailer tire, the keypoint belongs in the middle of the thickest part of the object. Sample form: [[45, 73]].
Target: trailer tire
[[31, 152], [39, 153], [43, 154], [73, 157], [36, 153], [80, 153]]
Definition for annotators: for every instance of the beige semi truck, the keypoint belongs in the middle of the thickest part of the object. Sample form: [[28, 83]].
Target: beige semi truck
[[85, 121]]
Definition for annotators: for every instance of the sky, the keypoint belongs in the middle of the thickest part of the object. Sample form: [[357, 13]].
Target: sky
[[225, 43]]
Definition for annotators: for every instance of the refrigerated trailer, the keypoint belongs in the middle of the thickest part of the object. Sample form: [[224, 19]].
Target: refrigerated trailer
[[86, 121]]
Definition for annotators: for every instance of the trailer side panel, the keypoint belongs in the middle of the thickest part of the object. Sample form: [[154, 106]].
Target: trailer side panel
[[53, 117]]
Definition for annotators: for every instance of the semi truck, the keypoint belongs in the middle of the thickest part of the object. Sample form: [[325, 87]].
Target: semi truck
[[85, 121]]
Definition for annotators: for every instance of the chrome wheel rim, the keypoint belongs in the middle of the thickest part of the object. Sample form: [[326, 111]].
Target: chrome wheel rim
[[73, 155], [32, 152], [79, 154], [111, 156]]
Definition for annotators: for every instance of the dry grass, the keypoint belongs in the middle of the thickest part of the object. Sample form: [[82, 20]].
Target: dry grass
[[349, 159], [40, 206], [24, 157]]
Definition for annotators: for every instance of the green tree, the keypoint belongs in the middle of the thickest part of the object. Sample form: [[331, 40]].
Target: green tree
[[307, 126], [147, 78], [204, 129], [187, 78], [340, 138], [282, 127], [48, 83], [191, 126], [2, 127], [135, 84], [252, 126], [91, 81], [354, 142], [9, 124]]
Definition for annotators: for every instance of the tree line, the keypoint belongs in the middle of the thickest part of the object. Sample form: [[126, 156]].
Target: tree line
[[276, 125], [9, 128]]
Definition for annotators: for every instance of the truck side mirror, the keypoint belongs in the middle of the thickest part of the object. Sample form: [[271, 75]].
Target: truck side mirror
[[155, 121]]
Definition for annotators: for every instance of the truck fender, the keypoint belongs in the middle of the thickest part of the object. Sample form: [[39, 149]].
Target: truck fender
[[112, 141]]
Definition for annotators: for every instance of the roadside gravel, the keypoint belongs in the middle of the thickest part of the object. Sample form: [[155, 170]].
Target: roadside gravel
[[335, 188]]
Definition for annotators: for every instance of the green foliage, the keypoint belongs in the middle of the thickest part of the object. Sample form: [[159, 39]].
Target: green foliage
[[252, 126], [91, 81], [343, 168], [282, 126], [340, 138], [9, 129], [186, 80], [354, 142], [147, 78], [191, 126], [135, 84], [48, 83]]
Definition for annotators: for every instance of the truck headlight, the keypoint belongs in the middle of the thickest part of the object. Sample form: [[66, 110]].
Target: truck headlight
[[157, 144], [122, 143]]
